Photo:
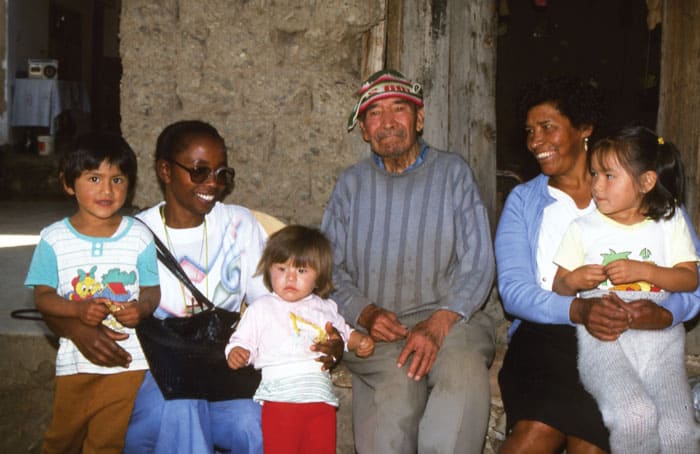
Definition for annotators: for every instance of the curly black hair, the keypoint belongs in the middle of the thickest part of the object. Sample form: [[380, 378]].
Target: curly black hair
[[579, 100]]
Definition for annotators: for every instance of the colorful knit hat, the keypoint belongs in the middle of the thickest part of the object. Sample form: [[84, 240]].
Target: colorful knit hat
[[386, 83]]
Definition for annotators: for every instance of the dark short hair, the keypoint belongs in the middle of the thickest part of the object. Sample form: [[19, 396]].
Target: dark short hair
[[90, 150], [177, 136], [638, 150], [307, 247], [578, 100]]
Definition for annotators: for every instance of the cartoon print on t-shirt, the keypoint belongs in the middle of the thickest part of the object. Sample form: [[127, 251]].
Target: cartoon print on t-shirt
[[112, 288]]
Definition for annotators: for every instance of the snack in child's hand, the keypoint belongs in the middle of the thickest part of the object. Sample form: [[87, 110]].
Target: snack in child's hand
[[111, 322], [113, 307]]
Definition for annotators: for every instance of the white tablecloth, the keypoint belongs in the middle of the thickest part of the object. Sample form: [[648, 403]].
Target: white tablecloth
[[37, 102]]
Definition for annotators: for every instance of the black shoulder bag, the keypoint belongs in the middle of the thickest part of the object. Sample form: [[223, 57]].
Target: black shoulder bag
[[186, 354]]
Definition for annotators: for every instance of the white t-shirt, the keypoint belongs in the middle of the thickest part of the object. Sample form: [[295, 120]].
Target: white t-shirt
[[221, 264], [81, 267], [279, 335], [597, 239]]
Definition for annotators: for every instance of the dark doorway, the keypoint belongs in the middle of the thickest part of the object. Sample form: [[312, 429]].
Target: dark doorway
[[65, 41], [82, 38], [605, 40], [106, 67], [101, 50]]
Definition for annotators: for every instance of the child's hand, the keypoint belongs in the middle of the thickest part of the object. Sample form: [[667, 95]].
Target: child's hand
[[238, 357], [366, 347], [627, 271], [131, 313], [128, 314], [585, 277], [92, 312]]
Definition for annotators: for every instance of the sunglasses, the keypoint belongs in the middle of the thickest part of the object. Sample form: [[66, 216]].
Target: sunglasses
[[222, 175]]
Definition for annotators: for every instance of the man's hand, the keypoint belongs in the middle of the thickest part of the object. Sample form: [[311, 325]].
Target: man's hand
[[381, 324], [605, 317], [424, 342], [332, 348]]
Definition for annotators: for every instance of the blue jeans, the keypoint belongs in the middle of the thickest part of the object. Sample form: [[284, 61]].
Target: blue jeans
[[191, 426]]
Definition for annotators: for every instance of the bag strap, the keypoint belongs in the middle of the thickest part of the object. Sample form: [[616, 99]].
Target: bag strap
[[166, 258], [27, 314]]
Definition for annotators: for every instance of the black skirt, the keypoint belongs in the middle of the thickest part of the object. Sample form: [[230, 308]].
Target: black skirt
[[539, 381]]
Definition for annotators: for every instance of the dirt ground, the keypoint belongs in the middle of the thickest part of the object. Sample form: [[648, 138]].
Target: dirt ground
[[26, 391]]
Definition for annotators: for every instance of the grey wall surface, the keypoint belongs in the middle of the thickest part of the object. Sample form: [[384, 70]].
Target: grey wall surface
[[276, 78]]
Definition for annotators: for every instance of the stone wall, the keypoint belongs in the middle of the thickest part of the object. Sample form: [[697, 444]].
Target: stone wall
[[276, 80]]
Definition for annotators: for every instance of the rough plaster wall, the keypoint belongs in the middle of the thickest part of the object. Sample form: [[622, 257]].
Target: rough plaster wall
[[276, 78]]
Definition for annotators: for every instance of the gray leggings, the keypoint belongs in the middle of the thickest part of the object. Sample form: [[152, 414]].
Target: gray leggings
[[641, 387]]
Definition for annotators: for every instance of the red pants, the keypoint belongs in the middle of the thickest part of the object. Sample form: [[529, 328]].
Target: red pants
[[298, 428]]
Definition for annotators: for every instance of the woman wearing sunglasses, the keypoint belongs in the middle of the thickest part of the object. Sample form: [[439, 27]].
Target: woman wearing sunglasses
[[219, 246]]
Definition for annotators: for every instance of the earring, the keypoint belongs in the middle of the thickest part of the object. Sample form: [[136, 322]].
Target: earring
[[585, 144]]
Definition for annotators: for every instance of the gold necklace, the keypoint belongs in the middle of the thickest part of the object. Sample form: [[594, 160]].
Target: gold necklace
[[205, 243]]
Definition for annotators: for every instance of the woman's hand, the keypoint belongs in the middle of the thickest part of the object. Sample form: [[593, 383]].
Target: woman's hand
[[645, 314], [97, 343], [605, 317], [332, 348]]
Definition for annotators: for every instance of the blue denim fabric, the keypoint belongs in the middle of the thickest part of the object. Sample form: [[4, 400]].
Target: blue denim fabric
[[191, 426]]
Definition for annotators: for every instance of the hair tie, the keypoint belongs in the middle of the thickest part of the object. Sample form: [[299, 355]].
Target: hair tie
[[660, 140]]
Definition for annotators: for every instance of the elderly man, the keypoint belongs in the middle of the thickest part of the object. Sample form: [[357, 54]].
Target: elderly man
[[413, 263]]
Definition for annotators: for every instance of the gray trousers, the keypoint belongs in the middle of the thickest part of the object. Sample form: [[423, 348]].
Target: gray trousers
[[445, 412], [641, 387]]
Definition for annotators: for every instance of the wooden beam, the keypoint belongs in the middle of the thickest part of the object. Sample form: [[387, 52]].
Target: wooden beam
[[394, 33], [374, 50], [450, 48], [679, 98]]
